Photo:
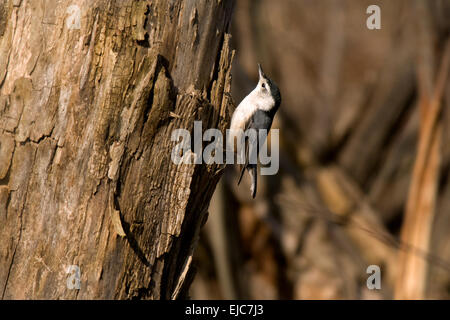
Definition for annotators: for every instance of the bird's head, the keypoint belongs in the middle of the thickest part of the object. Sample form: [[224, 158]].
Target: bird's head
[[267, 91]]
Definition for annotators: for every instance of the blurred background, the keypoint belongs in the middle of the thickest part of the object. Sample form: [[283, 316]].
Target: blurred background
[[364, 156]]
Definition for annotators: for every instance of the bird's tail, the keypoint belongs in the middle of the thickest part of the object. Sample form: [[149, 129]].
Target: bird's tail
[[241, 174], [251, 168], [254, 177]]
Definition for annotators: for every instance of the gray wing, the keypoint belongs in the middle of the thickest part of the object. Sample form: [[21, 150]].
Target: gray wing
[[249, 124], [260, 120]]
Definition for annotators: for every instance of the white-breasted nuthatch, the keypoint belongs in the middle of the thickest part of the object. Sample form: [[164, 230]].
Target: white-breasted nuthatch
[[256, 111]]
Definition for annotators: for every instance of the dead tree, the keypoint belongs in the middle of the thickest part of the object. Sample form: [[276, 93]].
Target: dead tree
[[90, 94]]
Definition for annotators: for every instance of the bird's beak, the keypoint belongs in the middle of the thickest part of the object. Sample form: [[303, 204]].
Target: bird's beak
[[261, 72]]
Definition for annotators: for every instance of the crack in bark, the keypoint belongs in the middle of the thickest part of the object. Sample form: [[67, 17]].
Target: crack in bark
[[20, 233], [130, 106], [5, 180]]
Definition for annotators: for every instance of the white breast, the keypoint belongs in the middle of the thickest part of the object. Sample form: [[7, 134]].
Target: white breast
[[243, 113], [245, 110], [255, 100]]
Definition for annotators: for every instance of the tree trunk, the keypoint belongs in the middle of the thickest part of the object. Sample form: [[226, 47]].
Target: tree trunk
[[90, 94]]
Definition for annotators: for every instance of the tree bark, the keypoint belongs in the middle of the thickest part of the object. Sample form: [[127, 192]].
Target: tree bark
[[86, 116]]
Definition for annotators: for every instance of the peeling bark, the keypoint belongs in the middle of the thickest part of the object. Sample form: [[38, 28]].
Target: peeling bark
[[86, 117]]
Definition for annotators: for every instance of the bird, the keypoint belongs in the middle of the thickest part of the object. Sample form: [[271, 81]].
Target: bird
[[256, 111]]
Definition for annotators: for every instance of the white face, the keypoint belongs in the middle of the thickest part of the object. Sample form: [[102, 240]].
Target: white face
[[260, 98], [263, 95]]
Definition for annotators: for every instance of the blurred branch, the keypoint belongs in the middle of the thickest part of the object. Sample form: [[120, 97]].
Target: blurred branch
[[421, 201], [218, 239]]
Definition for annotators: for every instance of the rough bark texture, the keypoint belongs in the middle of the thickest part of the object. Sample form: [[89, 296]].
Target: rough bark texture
[[86, 117]]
